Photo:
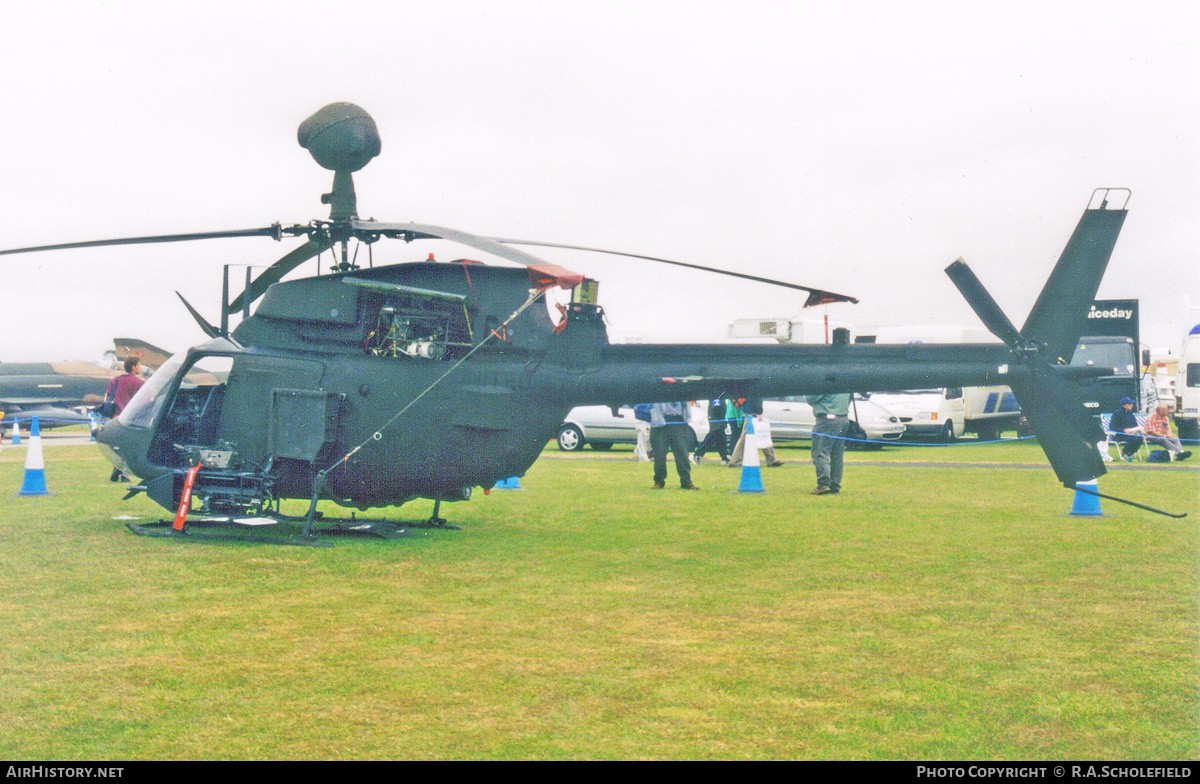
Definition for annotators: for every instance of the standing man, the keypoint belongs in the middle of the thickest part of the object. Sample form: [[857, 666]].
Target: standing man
[[829, 439], [669, 431], [121, 390], [735, 420], [126, 385], [716, 431]]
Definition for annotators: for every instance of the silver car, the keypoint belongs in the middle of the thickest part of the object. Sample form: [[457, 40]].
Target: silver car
[[596, 427], [792, 419]]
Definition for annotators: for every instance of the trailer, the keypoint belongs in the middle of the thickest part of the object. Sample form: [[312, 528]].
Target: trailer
[[1187, 387]]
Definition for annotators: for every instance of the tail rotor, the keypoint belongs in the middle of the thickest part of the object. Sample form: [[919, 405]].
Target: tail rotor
[[1041, 378]]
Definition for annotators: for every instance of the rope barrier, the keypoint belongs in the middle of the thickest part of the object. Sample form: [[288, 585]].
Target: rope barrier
[[890, 442], [9, 420], [921, 445]]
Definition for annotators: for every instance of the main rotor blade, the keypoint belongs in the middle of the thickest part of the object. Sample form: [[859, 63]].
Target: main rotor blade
[[982, 303], [542, 274], [274, 231], [815, 296], [273, 273], [420, 231]]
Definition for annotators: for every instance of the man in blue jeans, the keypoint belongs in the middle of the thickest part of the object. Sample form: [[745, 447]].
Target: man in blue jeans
[[669, 431]]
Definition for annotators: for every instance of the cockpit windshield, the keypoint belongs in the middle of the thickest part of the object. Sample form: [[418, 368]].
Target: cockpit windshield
[[144, 405]]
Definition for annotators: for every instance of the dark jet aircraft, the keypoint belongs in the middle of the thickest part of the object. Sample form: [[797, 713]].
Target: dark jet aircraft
[[51, 391]]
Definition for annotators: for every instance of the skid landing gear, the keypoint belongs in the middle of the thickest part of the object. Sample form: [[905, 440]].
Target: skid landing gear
[[227, 529], [385, 529], [301, 531]]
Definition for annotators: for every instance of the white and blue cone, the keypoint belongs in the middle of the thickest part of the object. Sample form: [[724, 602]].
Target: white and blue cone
[[34, 482], [1086, 504], [751, 471]]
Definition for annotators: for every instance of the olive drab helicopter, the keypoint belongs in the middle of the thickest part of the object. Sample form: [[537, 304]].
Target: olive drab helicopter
[[373, 387]]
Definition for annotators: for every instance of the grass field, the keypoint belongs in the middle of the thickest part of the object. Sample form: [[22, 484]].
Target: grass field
[[928, 612]]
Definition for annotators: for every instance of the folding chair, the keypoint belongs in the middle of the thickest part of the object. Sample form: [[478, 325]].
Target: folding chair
[[1143, 450]]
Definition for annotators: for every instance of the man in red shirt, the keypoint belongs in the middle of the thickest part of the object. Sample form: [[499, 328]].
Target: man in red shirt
[[125, 386], [1158, 431], [122, 389]]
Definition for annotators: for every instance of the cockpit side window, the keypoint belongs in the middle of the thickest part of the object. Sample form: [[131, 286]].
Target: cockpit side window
[[148, 400]]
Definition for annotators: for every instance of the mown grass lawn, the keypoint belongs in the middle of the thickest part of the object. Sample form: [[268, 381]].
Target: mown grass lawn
[[928, 612]]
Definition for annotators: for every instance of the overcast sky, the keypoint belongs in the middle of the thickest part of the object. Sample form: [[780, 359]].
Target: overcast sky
[[854, 146]]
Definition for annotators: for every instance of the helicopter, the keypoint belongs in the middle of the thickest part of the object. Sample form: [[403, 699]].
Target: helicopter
[[372, 387]]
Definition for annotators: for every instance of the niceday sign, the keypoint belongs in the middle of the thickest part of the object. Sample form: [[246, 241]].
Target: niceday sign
[[1118, 317]]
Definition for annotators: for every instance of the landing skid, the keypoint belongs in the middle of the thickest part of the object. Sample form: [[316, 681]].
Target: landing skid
[[301, 531], [193, 531]]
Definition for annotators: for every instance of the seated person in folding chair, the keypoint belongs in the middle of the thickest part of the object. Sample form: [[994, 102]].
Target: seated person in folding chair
[[1123, 428], [1158, 431]]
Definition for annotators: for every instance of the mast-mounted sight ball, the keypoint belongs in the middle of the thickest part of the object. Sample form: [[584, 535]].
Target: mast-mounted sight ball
[[340, 137]]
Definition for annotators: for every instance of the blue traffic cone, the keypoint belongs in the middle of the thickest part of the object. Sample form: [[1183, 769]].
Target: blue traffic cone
[[512, 483], [751, 472], [35, 467], [1085, 503], [16, 433]]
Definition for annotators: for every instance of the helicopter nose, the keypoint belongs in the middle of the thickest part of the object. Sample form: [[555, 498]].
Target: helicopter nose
[[117, 445]]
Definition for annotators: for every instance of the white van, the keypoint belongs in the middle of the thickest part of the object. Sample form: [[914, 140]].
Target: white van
[[949, 412]]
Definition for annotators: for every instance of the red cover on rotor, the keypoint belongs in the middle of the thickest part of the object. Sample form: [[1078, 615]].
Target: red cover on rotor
[[545, 276]]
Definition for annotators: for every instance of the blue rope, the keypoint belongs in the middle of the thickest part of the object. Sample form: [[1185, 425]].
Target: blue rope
[[10, 420], [895, 442]]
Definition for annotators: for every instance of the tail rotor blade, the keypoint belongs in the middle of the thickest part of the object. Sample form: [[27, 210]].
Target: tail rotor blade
[[1065, 430], [982, 303], [1059, 316]]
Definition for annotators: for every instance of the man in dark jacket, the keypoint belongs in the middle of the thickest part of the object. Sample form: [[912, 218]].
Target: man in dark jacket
[[716, 431], [1125, 430]]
